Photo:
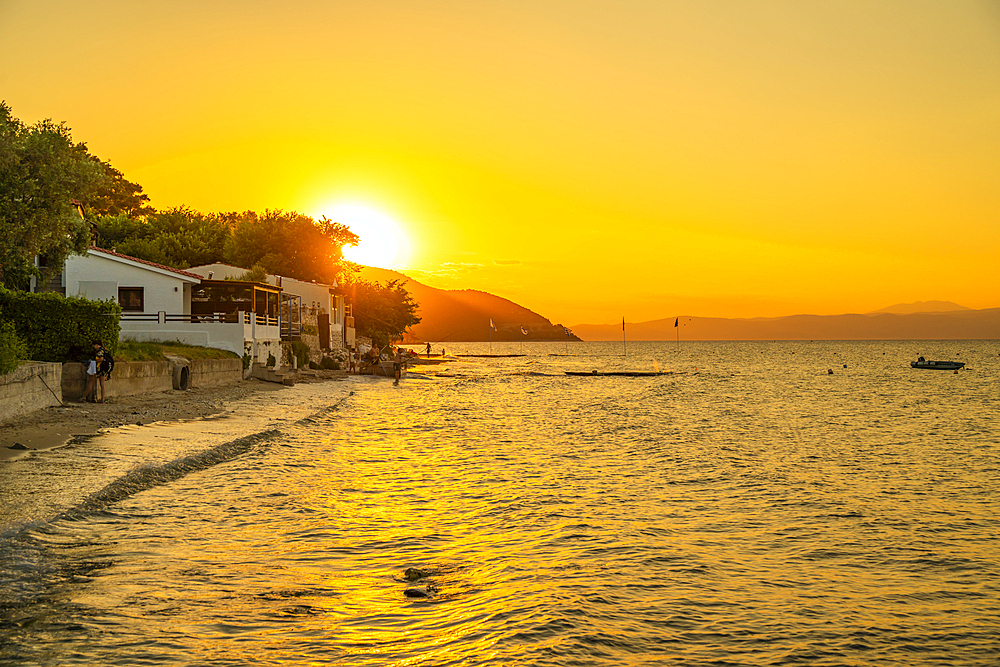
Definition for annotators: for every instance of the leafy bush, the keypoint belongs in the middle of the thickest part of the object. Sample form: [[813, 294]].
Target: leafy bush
[[314, 366], [301, 352], [55, 328], [271, 361], [329, 364], [11, 348]]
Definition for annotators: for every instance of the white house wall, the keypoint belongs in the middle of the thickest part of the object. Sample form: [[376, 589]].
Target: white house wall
[[312, 294], [160, 292]]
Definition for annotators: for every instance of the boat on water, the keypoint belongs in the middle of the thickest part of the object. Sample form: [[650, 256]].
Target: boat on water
[[416, 360], [382, 368], [937, 365], [491, 356], [627, 374]]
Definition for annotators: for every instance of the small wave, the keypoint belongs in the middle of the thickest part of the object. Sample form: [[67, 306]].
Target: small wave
[[321, 415], [145, 478], [148, 477]]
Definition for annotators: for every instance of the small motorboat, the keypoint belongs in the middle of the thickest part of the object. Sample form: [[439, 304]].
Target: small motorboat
[[937, 365]]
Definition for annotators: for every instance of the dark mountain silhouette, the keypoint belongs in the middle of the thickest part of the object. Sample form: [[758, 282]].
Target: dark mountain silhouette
[[957, 324], [464, 315]]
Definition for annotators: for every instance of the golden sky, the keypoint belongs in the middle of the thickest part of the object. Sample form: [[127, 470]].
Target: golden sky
[[589, 160]]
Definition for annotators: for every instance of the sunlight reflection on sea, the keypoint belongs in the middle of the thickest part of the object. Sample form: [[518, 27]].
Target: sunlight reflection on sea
[[748, 508]]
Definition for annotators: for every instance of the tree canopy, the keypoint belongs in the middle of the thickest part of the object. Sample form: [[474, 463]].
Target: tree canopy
[[180, 237], [284, 243], [42, 172], [382, 312], [116, 195], [288, 244]]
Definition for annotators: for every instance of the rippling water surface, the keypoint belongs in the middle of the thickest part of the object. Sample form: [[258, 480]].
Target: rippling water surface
[[748, 509]]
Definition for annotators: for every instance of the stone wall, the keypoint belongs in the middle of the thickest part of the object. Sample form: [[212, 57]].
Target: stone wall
[[310, 322], [32, 386], [130, 378]]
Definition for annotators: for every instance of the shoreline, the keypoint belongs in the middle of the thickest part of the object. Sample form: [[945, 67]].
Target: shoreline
[[53, 427]]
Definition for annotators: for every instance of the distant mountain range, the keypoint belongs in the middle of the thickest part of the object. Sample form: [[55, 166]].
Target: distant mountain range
[[900, 322], [465, 315], [920, 307]]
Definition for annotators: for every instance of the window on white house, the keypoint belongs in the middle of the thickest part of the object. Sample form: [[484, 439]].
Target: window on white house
[[131, 298]]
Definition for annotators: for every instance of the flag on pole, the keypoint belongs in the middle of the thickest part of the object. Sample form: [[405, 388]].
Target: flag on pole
[[676, 319], [623, 324], [491, 325], [523, 332], [566, 330]]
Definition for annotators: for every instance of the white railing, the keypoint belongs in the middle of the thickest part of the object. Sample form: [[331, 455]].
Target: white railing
[[240, 317]]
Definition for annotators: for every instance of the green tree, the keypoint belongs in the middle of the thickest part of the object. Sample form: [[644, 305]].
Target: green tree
[[288, 244], [180, 237], [116, 196], [42, 172], [382, 312]]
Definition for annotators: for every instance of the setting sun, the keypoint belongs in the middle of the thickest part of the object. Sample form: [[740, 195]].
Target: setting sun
[[383, 243]]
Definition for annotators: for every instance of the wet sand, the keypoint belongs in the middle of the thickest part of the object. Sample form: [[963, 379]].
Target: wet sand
[[55, 426]]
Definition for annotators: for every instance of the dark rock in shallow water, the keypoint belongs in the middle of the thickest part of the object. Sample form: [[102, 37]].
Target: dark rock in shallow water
[[418, 593], [18, 446], [413, 574]]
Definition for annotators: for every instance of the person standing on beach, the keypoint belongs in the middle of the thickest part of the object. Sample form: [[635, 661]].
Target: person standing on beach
[[96, 370], [397, 364], [428, 349]]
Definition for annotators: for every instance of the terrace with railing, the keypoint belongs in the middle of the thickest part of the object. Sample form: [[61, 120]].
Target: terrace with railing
[[224, 313]]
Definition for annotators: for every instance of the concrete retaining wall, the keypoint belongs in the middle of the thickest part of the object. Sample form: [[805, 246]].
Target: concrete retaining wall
[[32, 386], [213, 372], [130, 378]]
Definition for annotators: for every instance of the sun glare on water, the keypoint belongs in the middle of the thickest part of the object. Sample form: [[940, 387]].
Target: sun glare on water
[[382, 241]]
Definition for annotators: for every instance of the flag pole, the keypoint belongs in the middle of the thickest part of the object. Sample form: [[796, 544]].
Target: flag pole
[[677, 331], [491, 336], [624, 347]]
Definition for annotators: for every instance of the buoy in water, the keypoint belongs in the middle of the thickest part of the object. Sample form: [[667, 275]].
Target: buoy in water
[[829, 371]]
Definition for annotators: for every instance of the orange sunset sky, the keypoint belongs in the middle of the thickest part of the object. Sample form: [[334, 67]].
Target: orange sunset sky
[[588, 160]]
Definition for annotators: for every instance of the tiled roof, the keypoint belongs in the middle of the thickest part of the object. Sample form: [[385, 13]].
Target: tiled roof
[[148, 263]]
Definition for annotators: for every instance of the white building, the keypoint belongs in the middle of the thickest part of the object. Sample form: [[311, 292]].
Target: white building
[[166, 304], [319, 306]]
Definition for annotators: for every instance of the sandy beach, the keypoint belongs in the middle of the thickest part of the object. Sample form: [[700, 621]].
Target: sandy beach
[[55, 426]]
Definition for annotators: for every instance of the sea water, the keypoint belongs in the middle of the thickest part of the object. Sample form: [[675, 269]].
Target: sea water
[[746, 507]]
